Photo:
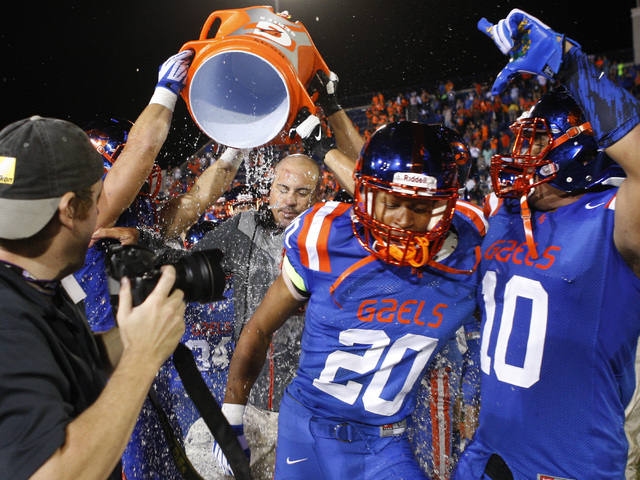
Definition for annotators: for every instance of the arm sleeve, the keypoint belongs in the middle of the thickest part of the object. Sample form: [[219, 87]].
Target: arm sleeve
[[612, 111], [294, 281], [294, 273]]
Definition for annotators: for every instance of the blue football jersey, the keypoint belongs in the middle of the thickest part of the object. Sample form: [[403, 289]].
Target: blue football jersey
[[93, 276], [372, 328], [209, 336], [558, 343]]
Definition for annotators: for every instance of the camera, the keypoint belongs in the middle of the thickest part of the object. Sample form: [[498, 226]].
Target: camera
[[199, 274]]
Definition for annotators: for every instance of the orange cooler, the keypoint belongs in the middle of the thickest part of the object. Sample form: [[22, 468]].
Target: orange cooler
[[247, 84]]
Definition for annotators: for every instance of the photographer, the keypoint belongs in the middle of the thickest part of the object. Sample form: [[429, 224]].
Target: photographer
[[59, 418]]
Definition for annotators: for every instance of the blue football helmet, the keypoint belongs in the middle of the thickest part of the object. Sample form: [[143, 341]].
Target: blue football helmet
[[462, 154], [553, 143], [109, 136], [197, 231], [406, 160], [241, 198]]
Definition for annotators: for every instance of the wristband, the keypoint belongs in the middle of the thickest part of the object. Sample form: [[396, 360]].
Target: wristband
[[310, 126], [165, 97], [233, 156], [234, 413]]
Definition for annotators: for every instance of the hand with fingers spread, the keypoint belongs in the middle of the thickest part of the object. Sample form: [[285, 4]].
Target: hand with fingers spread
[[533, 47]]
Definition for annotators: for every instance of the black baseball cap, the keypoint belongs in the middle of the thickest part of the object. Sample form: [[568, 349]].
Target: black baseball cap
[[41, 159]]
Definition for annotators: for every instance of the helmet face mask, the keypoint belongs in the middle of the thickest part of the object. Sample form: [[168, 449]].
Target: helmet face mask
[[395, 245], [109, 137], [153, 184], [514, 175], [405, 165]]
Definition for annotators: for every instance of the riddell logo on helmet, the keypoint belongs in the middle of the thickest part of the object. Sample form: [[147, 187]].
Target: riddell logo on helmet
[[7, 169], [415, 180]]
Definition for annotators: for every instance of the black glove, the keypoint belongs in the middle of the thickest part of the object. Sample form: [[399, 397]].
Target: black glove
[[317, 149], [326, 86]]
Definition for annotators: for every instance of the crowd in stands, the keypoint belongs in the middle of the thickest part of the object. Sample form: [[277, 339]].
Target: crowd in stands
[[482, 119]]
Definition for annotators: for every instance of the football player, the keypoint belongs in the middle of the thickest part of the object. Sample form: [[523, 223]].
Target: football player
[[560, 265], [388, 281]]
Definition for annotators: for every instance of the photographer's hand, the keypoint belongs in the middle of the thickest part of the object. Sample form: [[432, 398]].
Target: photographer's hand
[[152, 330]]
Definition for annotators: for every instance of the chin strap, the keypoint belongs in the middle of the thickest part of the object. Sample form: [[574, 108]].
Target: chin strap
[[525, 213], [572, 133], [445, 268]]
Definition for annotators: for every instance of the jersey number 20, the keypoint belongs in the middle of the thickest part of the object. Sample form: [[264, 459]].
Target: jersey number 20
[[364, 364]]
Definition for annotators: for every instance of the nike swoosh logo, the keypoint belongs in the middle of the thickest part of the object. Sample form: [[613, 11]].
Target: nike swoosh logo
[[291, 462], [588, 206]]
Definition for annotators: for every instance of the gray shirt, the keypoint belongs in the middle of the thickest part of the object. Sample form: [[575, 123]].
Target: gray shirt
[[253, 253]]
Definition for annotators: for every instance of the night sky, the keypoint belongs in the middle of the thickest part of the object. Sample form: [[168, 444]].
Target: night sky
[[82, 60]]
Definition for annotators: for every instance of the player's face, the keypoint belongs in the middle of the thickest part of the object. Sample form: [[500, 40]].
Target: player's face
[[408, 213], [536, 145], [294, 189], [220, 210]]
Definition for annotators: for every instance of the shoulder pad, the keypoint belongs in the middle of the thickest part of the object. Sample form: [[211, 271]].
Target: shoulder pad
[[309, 234], [473, 215]]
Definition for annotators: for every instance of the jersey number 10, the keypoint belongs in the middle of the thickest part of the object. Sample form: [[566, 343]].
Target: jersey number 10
[[517, 287]]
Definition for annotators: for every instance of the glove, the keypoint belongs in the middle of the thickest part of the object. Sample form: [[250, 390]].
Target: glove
[[307, 126], [326, 86], [317, 149], [234, 414], [533, 46], [171, 79]]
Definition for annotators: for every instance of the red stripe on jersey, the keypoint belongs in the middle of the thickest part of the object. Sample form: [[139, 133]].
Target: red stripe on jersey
[[302, 237], [613, 199], [474, 213], [323, 238], [440, 410], [492, 204]]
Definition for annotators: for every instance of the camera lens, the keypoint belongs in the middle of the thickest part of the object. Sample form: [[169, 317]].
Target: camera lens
[[200, 276]]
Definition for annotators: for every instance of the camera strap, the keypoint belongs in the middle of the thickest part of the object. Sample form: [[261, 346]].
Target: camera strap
[[213, 417], [180, 459]]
